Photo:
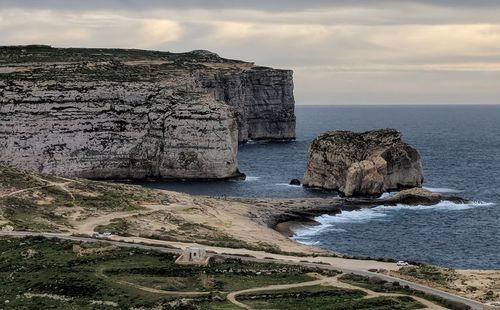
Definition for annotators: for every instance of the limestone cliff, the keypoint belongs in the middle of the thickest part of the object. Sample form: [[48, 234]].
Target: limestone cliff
[[111, 113], [263, 101], [367, 163]]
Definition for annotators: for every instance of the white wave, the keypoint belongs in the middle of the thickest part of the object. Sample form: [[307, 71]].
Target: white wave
[[251, 179], [286, 184], [355, 216], [387, 195], [330, 222], [307, 242], [442, 190], [441, 206]]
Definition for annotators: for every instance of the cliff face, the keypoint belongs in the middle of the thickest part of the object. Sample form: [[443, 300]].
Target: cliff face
[[368, 163], [263, 101], [133, 114]]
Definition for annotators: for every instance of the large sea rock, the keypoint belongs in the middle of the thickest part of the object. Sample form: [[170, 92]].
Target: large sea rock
[[367, 163], [112, 113]]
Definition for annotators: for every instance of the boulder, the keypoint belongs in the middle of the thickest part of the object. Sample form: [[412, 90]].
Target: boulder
[[367, 163], [420, 196], [295, 182]]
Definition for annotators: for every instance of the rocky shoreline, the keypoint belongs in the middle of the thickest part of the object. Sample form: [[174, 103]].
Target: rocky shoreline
[[285, 215]]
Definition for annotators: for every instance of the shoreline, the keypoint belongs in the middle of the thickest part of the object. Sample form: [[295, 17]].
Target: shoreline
[[296, 214], [288, 228]]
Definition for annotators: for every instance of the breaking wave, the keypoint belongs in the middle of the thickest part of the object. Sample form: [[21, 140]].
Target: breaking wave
[[251, 179], [381, 213], [286, 184]]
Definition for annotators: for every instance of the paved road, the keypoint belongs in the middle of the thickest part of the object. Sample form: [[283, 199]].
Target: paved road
[[472, 303]]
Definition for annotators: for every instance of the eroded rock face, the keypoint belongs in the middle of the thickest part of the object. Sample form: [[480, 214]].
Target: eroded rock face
[[367, 163], [135, 114], [263, 101]]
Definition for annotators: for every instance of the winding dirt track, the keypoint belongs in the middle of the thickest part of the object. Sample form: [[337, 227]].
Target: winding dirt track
[[48, 183], [332, 281], [88, 225], [100, 273]]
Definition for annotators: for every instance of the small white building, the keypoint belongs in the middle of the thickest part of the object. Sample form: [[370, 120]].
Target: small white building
[[193, 255]]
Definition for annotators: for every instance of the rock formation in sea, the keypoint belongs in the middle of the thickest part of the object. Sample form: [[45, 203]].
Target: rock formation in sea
[[367, 163], [114, 113]]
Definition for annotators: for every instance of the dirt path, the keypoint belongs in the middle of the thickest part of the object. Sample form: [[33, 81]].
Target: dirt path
[[61, 185], [88, 225], [100, 273], [337, 262], [232, 296], [23, 191], [332, 281], [48, 183], [335, 282]]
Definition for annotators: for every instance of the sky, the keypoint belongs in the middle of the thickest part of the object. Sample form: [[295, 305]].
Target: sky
[[342, 51]]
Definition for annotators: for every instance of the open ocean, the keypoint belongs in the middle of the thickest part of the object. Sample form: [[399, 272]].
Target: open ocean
[[460, 149]]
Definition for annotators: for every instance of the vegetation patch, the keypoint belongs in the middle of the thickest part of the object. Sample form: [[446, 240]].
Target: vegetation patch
[[39, 273], [378, 285], [15, 180], [430, 273], [34, 203], [117, 227], [322, 297]]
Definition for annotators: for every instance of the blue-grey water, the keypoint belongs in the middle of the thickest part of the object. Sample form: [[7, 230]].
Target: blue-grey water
[[460, 147]]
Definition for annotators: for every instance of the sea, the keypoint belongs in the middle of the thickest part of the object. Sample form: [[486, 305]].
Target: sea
[[460, 149]]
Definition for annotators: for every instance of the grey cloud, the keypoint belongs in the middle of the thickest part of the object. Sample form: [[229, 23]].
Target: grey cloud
[[343, 52], [264, 5]]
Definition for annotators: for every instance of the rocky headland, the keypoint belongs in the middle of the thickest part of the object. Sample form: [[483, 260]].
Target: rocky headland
[[133, 114], [357, 164]]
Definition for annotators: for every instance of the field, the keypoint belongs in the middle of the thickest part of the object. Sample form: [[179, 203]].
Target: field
[[328, 298], [41, 273], [377, 285]]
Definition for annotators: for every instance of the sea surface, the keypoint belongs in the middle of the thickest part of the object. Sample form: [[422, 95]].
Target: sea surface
[[460, 148]]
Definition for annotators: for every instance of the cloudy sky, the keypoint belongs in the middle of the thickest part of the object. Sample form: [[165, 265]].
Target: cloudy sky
[[342, 51]]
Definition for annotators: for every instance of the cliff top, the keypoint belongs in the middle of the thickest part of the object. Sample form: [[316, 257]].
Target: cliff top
[[342, 139], [47, 54], [39, 61]]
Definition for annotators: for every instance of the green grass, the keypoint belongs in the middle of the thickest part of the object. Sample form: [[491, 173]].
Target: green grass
[[116, 197], [322, 297], [378, 286], [24, 214], [14, 179], [116, 227], [430, 273], [42, 266], [106, 64]]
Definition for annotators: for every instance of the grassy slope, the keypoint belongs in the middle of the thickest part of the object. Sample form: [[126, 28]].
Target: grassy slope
[[45, 199]]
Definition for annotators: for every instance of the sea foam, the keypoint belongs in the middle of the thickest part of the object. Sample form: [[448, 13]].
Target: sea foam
[[380, 213], [251, 179]]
